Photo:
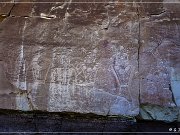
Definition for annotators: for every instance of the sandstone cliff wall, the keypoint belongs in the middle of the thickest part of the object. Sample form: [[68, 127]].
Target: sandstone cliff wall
[[93, 56]]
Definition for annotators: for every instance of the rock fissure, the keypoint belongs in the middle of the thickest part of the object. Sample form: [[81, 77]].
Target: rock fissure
[[139, 47], [9, 14], [159, 14], [173, 98], [149, 114]]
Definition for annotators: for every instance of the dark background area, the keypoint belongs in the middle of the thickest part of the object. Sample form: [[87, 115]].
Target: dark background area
[[44, 123]]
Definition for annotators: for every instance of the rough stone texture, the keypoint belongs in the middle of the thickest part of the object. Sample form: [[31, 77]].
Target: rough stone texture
[[7, 97], [5, 8], [159, 61], [179, 116], [79, 64], [66, 124], [103, 58], [160, 55], [155, 112]]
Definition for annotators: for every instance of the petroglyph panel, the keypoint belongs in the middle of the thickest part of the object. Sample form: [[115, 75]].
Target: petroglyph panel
[[75, 79], [159, 57], [78, 58]]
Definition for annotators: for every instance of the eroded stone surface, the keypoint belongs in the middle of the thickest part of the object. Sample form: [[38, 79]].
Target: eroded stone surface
[[159, 56], [7, 91], [103, 58], [5, 8], [155, 112], [79, 64]]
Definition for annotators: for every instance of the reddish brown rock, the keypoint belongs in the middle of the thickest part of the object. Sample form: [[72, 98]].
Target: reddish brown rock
[[80, 63], [103, 58], [159, 55], [6, 6]]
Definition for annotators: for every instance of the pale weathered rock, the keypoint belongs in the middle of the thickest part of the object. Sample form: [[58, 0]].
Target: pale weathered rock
[[155, 112], [175, 83]]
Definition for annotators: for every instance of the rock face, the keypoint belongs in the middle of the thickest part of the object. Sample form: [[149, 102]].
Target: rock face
[[155, 112], [97, 57]]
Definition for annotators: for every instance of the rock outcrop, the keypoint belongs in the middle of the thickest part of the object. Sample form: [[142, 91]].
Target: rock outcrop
[[102, 57]]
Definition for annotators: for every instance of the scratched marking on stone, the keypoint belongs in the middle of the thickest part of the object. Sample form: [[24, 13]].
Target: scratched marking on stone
[[21, 80], [68, 77], [78, 77], [82, 77], [73, 77]]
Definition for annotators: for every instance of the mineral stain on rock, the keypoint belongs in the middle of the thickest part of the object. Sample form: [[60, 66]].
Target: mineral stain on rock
[[106, 58]]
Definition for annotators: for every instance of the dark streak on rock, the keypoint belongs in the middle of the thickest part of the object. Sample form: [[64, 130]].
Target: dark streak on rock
[[9, 14], [149, 114], [173, 99], [4, 16], [139, 47]]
